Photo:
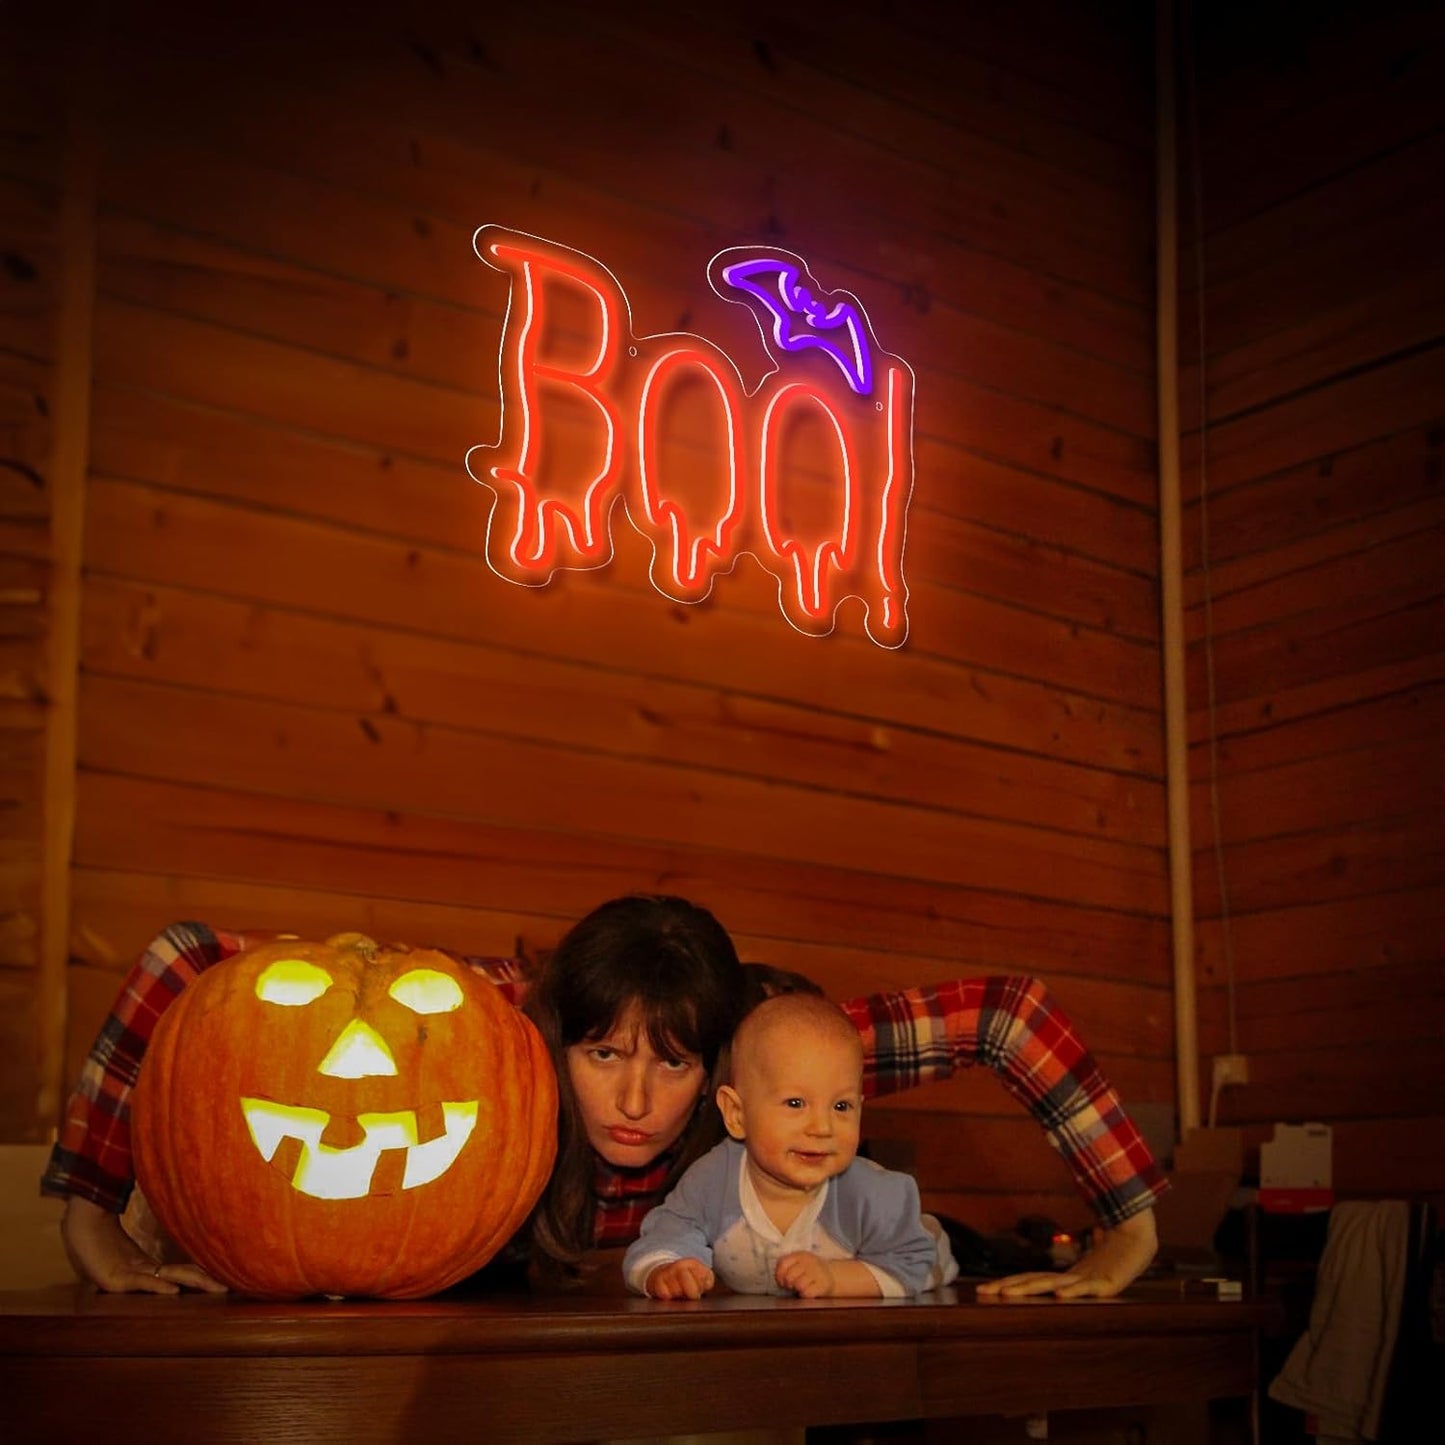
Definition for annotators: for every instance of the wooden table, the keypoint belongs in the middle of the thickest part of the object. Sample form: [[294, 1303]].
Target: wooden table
[[78, 1365]]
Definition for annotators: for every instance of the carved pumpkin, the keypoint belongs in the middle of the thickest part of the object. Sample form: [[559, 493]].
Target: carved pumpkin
[[343, 1118]]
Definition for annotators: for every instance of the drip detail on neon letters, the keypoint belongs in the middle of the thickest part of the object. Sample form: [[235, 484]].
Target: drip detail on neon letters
[[809, 471]]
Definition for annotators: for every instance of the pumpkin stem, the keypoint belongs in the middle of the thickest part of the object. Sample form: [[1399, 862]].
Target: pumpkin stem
[[368, 948]]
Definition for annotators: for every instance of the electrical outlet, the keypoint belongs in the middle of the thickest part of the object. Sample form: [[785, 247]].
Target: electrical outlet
[[1230, 1069]]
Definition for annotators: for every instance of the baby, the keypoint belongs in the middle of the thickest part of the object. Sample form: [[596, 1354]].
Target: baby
[[784, 1206]]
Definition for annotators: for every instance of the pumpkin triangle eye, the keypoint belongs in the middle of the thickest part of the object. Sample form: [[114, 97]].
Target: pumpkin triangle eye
[[292, 982], [426, 991]]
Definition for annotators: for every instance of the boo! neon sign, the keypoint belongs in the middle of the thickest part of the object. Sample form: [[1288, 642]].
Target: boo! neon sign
[[810, 472]]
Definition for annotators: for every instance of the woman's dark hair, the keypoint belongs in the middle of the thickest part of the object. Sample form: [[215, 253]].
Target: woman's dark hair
[[676, 962], [764, 981]]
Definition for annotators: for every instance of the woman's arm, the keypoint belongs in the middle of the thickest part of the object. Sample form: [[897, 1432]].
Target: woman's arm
[[1118, 1257], [1014, 1026], [90, 1165]]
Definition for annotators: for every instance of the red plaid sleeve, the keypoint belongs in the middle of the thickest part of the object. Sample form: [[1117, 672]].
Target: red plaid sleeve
[[92, 1153], [1014, 1027], [92, 1157]]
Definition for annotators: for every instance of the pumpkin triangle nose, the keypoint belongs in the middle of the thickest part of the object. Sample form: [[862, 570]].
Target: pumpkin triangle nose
[[358, 1053]]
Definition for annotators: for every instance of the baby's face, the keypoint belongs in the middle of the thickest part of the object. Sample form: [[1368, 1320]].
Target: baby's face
[[802, 1104]]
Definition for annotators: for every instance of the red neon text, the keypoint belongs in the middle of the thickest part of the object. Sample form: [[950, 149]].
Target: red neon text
[[802, 473]]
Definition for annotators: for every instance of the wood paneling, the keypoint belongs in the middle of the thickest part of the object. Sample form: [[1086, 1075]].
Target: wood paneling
[[31, 284], [163, 635], [230, 1371], [307, 702], [1324, 338]]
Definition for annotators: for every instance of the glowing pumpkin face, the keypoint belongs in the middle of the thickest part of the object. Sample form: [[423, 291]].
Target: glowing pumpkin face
[[342, 1118]]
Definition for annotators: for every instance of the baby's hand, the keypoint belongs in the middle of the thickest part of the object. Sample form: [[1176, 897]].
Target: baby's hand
[[680, 1279], [805, 1274]]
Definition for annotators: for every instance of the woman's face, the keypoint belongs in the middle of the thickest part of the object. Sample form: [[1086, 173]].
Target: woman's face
[[634, 1102]]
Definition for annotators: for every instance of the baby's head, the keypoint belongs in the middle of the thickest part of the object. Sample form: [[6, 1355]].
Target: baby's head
[[797, 1090]]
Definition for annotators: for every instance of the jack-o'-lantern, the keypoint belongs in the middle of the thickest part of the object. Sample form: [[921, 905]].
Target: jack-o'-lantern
[[343, 1118]]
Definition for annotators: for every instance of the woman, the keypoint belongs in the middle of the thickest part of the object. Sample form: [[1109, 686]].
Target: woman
[[636, 1005]]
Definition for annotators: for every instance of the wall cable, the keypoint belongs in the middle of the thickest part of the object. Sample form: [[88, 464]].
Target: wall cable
[[1196, 180]]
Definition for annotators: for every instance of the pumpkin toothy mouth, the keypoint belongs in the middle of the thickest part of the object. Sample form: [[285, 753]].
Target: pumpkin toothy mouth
[[325, 1172]]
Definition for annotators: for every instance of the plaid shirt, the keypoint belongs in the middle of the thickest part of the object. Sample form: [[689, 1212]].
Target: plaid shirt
[[909, 1038]]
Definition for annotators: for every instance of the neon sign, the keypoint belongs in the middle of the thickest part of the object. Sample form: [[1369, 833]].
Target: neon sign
[[809, 472]]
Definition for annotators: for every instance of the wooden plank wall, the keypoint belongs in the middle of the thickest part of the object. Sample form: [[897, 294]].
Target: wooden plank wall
[[30, 203], [306, 702], [1324, 380]]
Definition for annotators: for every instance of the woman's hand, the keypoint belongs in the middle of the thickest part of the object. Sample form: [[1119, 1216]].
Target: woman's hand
[[680, 1279], [1119, 1256], [104, 1254]]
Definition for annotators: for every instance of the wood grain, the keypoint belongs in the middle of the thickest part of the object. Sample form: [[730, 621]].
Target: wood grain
[[1320, 360], [542, 1368]]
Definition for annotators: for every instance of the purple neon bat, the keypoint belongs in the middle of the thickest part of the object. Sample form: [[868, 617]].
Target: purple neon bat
[[801, 319]]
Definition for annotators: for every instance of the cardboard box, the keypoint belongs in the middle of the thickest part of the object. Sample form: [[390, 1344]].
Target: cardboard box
[[1296, 1169], [1208, 1167]]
